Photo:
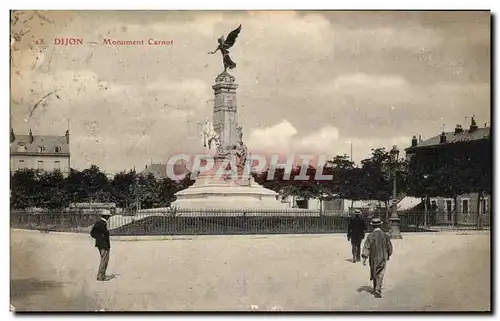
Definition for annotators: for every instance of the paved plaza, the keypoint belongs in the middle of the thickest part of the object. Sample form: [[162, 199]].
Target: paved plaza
[[428, 272]]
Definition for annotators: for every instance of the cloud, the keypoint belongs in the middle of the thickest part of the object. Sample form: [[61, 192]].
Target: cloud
[[284, 138], [275, 138], [319, 141]]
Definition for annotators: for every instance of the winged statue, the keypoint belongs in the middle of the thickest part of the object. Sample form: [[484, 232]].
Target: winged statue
[[225, 45]]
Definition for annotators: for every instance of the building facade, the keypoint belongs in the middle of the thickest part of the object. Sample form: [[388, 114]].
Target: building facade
[[464, 208], [39, 152]]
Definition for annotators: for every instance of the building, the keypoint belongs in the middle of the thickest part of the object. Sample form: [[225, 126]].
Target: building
[[464, 211], [42, 152], [474, 133], [159, 171], [345, 206]]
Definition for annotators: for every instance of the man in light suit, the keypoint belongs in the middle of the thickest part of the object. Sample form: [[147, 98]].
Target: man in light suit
[[100, 233], [378, 249]]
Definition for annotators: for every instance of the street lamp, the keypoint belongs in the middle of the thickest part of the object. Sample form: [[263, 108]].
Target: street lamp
[[394, 220], [137, 200]]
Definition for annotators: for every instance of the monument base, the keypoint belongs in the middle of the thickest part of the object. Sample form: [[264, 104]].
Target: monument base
[[217, 193]]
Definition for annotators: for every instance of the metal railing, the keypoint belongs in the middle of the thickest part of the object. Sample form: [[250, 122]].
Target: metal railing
[[230, 222]]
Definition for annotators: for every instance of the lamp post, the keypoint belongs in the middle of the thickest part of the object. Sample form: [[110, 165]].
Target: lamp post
[[394, 220], [137, 200]]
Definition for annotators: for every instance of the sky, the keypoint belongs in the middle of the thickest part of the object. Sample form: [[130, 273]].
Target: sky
[[309, 82]]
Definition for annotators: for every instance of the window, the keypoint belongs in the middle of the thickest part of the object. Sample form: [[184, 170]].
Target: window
[[41, 149], [57, 164], [20, 164], [57, 149], [39, 164], [484, 206], [465, 206], [448, 208]]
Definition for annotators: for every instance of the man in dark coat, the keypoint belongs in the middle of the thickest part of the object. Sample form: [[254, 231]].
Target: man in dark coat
[[100, 233], [378, 248], [355, 234]]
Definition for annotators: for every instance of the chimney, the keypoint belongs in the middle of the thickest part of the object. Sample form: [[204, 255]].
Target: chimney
[[67, 136], [414, 141], [442, 138], [31, 137], [473, 125], [419, 139], [458, 129], [12, 135]]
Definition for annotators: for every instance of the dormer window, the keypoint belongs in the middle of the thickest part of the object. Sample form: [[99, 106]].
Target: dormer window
[[41, 149], [57, 149]]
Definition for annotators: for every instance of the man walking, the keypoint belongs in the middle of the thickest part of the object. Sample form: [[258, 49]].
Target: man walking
[[378, 248], [100, 233], [355, 234]]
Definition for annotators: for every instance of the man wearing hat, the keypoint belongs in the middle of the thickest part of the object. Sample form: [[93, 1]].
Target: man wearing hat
[[378, 248], [100, 233], [355, 234]]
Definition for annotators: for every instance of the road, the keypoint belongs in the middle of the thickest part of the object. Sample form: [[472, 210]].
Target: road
[[428, 272]]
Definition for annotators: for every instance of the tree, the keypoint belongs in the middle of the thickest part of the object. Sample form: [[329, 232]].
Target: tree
[[169, 187], [94, 181], [23, 184], [53, 193], [376, 183], [76, 192], [343, 182], [149, 191], [122, 188]]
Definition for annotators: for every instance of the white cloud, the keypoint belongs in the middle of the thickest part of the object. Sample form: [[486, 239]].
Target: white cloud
[[283, 138], [321, 140], [275, 138]]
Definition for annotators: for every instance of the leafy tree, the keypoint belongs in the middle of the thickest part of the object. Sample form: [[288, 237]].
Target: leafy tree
[[149, 191], [53, 193], [342, 184], [23, 186], [169, 187], [94, 181], [122, 188]]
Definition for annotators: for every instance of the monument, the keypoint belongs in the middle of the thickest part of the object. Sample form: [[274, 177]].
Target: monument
[[224, 138]]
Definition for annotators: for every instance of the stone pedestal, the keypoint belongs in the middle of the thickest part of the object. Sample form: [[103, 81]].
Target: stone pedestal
[[394, 231]]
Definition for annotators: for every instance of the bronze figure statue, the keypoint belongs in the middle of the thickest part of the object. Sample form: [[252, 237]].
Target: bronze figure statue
[[224, 45]]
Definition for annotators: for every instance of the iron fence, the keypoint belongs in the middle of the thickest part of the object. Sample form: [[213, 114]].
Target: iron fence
[[237, 221], [53, 221]]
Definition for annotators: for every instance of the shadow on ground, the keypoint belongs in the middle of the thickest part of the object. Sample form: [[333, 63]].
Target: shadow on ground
[[22, 288], [365, 288], [112, 276]]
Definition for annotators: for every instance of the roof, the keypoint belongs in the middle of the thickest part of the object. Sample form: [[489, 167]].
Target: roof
[[48, 142], [451, 137], [159, 171], [408, 202]]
